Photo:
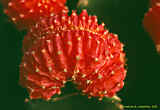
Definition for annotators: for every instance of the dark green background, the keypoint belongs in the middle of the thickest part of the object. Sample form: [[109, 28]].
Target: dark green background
[[123, 17]]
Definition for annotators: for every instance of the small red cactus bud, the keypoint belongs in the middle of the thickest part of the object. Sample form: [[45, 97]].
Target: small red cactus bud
[[26, 12], [151, 23], [73, 47]]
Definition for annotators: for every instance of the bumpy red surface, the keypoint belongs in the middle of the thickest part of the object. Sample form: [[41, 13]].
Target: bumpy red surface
[[63, 47], [26, 12], [151, 23]]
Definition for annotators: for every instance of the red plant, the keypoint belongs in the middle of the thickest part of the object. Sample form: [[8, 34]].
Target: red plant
[[154, 2], [63, 47], [151, 23], [26, 12]]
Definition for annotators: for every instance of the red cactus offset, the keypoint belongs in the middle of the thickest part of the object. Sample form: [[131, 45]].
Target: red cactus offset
[[62, 47], [26, 12], [151, 23]]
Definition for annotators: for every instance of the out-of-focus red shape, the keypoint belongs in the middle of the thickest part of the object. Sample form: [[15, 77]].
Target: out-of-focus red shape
[[154, 2], [151, 24], [24, 13]]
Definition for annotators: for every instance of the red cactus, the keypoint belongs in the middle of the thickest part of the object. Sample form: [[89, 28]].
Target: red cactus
[[26, 12], [73, 47], [151, 23]]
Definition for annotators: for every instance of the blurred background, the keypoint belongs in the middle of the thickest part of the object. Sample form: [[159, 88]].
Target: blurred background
[[123, 17]]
